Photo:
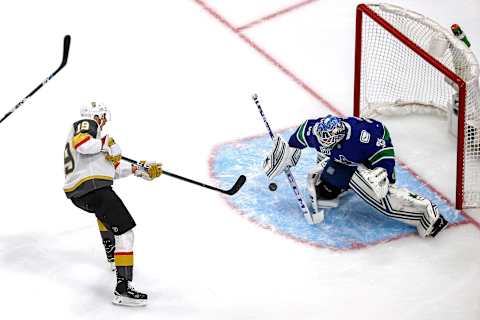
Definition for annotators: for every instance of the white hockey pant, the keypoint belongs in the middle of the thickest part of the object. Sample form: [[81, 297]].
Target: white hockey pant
[[399, 204]]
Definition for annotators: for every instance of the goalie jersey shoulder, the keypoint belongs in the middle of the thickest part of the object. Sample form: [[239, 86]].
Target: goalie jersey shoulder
[[365, 139], [303, 137]]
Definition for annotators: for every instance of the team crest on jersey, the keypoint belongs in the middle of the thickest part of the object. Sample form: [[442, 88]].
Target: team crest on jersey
[[364, 136]]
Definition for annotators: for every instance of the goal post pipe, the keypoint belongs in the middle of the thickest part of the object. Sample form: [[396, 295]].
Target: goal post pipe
[[364, 10]]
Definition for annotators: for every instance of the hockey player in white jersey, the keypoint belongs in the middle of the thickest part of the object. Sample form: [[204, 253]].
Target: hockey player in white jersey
[[354, 154], [92, 162]]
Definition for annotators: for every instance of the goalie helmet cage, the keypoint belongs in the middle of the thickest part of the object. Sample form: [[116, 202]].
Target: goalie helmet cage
[[396, 74]]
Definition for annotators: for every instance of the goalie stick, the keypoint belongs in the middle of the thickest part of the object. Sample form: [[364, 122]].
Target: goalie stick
[[288, 173], [234, 189], [66, 48]]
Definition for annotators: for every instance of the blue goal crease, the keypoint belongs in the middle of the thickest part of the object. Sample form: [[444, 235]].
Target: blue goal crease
[[353, 224]]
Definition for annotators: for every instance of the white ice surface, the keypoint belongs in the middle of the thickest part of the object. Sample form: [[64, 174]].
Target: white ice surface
[[179, 82]]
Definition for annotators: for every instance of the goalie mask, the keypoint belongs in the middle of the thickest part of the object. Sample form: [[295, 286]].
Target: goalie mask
[[329, 131], [95, 109]]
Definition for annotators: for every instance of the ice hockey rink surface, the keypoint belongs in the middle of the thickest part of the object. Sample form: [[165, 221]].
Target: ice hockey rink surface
[[178, 77]]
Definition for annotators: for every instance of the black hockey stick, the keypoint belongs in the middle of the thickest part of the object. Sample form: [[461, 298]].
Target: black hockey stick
[[66, 48], [238, 184]]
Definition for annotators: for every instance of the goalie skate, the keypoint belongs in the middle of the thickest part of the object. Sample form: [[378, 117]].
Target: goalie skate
[[438, 226]]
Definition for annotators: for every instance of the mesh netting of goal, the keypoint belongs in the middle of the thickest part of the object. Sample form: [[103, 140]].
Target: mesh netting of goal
[[406, 64]]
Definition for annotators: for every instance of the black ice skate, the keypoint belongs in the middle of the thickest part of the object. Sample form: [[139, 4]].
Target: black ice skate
[[126, 295], [438, 226]]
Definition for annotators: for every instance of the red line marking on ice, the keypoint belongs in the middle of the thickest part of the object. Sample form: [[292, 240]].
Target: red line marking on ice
[[252, 44], [309, 90], [275, 14]]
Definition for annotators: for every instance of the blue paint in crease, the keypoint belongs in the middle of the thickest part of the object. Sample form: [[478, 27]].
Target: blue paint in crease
[[354, 223]]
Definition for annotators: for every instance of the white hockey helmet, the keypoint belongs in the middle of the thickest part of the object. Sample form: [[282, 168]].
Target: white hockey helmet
[[93, 109]]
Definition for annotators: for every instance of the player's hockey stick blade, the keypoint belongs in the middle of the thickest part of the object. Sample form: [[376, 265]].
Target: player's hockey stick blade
[[66, 49], [236, 187]]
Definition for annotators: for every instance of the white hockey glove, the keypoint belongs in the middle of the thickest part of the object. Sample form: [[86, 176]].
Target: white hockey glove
[[281, 157], [148, 170], [112, 149], [377, 180]]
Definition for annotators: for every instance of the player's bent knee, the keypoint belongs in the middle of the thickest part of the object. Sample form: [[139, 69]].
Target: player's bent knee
[[124, 242]]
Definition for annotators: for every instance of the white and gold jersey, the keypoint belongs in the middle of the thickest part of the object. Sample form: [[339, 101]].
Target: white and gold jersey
[[86, 168]]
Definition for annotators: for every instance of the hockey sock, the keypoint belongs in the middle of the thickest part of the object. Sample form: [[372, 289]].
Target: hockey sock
[[124, 265], [124, 256], [108, 240]]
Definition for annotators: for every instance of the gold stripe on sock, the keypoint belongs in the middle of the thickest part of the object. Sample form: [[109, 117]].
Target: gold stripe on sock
[[101, 226], [124, 259]]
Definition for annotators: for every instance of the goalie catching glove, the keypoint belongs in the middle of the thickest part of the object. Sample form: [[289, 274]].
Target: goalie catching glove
[[148, 170], [281, 157]]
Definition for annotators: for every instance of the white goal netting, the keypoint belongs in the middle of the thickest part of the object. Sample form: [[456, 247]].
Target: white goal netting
[[415, 67]]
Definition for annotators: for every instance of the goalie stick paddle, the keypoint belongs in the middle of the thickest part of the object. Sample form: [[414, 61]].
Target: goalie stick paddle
[[234, 189], [66, 49], [288, 173]]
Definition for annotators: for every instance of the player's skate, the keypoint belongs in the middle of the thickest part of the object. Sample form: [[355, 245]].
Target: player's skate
[[126, 295]]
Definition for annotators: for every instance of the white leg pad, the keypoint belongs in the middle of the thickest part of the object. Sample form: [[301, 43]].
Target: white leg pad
[[399, 204]]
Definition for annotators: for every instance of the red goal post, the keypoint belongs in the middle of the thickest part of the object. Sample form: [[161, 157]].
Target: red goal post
[[408, 63]]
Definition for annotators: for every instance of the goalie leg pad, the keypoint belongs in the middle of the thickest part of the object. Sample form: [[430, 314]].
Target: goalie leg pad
[[281, 156], [399, 204]]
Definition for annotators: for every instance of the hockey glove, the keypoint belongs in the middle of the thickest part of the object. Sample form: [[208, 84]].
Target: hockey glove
[[148, 170], [112, 149], [280, 157]]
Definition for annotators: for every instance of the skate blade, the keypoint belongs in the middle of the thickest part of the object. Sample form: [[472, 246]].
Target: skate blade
[[129, 302]]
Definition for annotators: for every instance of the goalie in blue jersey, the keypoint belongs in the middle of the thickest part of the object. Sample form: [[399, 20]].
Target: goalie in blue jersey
[[353, 154]]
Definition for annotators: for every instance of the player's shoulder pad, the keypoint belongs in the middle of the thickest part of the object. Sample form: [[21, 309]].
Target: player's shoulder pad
[[86, 126]]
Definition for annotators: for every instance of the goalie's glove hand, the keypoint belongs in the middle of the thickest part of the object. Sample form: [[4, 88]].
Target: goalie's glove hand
[[148, 170], [112, 149]]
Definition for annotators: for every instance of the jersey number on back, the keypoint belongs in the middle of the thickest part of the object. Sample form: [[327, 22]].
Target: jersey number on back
[[69, 163], [83, 126]]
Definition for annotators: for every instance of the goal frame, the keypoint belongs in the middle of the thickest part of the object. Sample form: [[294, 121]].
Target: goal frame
[[363, 9]]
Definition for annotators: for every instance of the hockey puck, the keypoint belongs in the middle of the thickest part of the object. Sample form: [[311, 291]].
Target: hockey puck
[[272, 186]]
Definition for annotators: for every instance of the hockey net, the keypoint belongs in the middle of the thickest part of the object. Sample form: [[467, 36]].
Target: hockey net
[[405, 64]]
